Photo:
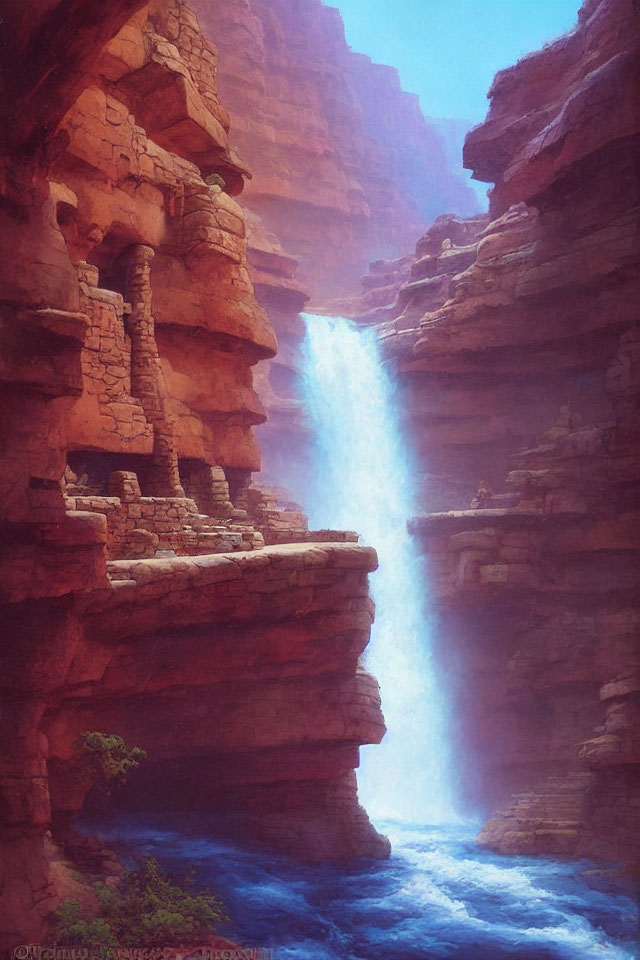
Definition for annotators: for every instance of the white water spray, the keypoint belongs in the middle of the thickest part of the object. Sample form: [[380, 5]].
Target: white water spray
[[361, 474]]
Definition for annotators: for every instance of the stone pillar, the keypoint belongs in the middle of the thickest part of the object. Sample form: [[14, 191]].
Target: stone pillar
[[124, 484], [222, 506], [208, 487], [147, 379], [239, 481]]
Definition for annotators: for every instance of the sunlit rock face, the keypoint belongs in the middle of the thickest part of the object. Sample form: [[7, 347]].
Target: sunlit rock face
[[521, 387], [346, 167], [138, 598]]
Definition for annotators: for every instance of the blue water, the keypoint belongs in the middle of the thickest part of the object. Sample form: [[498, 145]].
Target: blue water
[[439, 896], [362, 472]]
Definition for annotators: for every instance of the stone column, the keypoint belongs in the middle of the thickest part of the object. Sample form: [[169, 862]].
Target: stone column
[[147, 379], [239, 482]]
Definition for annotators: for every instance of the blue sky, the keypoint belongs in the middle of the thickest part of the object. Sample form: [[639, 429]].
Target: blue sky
[[447, 51]]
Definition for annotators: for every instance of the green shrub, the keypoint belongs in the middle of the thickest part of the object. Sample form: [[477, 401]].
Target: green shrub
[[105, 759], [147, 908], [71, 928]]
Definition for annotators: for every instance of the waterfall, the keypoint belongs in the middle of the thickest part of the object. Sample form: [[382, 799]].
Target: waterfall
[[362, 481]]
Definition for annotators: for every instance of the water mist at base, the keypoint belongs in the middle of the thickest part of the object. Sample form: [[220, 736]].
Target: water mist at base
[[362, 482]]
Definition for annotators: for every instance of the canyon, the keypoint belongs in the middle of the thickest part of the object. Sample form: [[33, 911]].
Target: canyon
[[178, 180], [345, 166], [515, 337]]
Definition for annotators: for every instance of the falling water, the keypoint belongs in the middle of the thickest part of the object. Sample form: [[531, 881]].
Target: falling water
[[362, 482]]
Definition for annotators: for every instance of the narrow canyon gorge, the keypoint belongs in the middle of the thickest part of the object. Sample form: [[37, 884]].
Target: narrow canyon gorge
[[515, 338], [184, 187]]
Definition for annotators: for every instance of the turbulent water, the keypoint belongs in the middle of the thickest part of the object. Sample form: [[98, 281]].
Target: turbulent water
[[361, 482], [437, 897]]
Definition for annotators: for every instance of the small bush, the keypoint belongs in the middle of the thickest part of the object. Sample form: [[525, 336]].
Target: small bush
[[105, 759], [73, 929], [146, 908]]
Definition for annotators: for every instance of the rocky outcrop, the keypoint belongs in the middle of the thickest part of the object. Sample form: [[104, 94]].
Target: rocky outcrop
[[138, 596], [397, 293], [239, 674], [517, 350], [346, 167]]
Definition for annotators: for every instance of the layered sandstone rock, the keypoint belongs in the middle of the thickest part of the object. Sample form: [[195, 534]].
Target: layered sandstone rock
[[377, 300], [239, 674], [346, 167], [130, 330], [278, 381], [397, 293], [520, 376]]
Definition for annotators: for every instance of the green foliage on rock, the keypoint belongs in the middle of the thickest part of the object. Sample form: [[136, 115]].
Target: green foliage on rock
[[105, 759], [72, 928], [146, 908]]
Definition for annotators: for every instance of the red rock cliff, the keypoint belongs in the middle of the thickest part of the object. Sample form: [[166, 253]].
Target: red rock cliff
[[138, 595], [346, 167], [517, 346]]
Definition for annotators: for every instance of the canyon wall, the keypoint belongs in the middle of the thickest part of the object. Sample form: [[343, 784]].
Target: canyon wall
[[516, 345], [138, 302], [138, 596], [346, 168], [278, 380]]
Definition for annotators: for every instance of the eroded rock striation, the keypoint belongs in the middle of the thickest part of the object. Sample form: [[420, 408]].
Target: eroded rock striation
[[279, 380], [517, 343], [346, 167], [138, 596], [139, 297]]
